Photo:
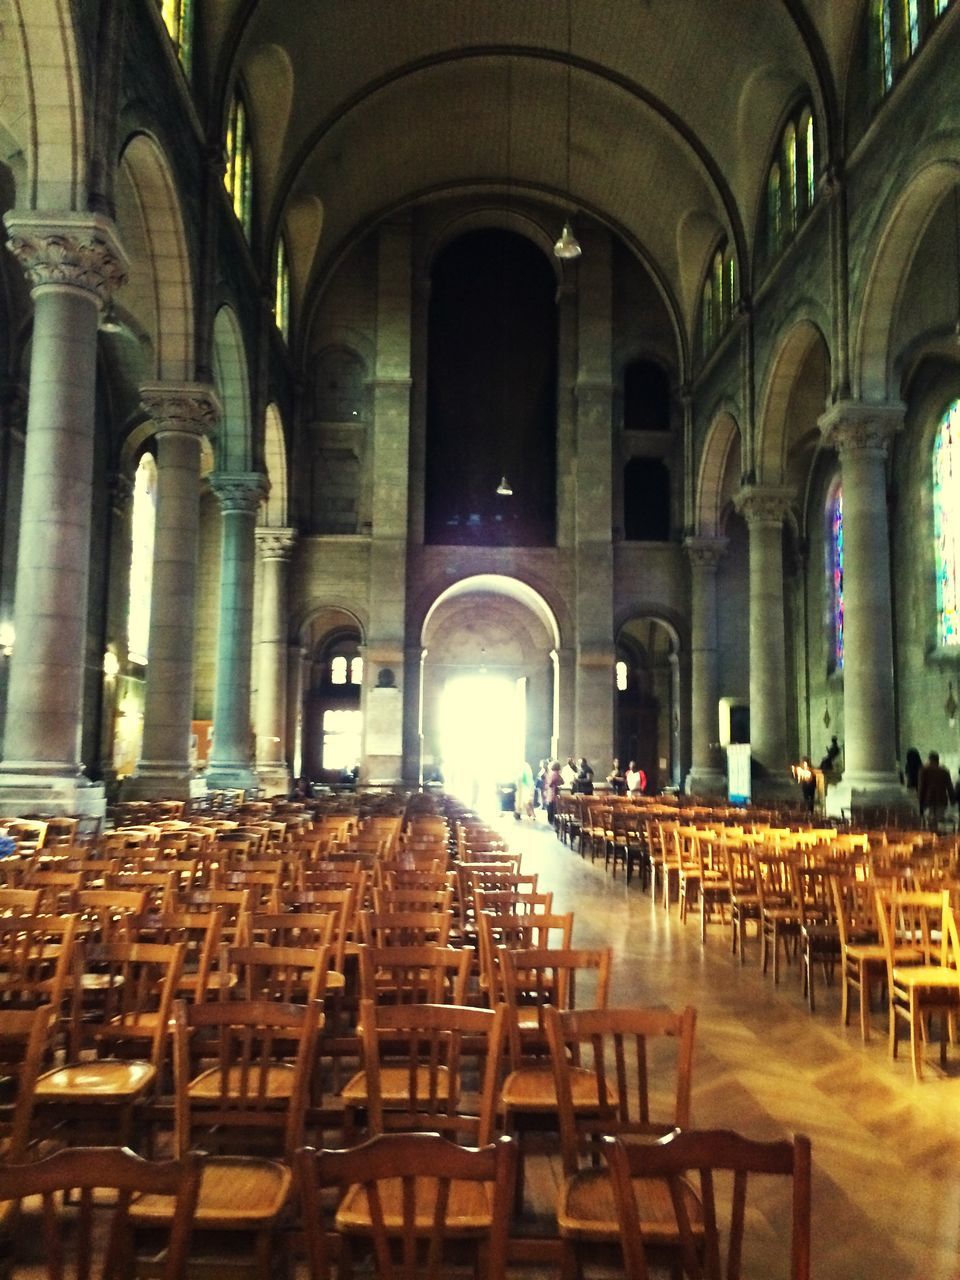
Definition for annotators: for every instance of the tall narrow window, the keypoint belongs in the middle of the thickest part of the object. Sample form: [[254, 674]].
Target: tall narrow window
[[940, 6], [238, 177], [790, 169], [356, 670], [946, 524], [621, 674], [911, 27], [809, 161], [143, 522], [729, 284], [178, 19], [706, 316], [774, 216], [884, 38], [282, 296], [836, 576], [338, 670]]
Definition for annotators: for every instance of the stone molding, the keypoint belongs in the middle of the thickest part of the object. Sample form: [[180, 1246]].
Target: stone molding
[[275, 544], [240, 493], [763, 504], [705, 553], [191, 409], [853, 427], [79, 251]]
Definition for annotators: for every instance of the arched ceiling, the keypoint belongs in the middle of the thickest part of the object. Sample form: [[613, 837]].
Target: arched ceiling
[[675, 105]]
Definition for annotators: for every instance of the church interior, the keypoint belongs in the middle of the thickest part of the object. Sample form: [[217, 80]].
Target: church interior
[[400, 394]]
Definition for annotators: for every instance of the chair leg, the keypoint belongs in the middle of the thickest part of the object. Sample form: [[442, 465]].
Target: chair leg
[[864, 1004], [916, 1043]]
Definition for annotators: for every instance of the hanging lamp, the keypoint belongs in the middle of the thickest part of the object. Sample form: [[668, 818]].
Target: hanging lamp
[[567, 248]]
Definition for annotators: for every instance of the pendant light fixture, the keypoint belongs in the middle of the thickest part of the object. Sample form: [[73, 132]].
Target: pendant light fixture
[[504, 488], [567, 248]]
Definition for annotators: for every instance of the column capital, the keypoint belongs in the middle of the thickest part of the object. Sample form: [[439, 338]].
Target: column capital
[[761, 504], [72, 250], [275, 544], [241, 492], [851, 426], [705, 553], [190, 408]]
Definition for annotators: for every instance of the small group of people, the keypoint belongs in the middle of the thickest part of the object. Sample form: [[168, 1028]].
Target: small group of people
[[629, 782]]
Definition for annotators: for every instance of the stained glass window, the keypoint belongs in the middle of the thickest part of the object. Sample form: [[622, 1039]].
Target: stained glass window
[[809, 163], [238, 178], [911, 26], [706, 316], [790, 166], [178, 19], [946, 524], [836, 573], [774, 220], [143, 529], [730, 284], [282, 298], [885, 44]]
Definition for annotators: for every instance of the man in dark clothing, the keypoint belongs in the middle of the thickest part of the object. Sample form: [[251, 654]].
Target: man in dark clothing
[[934, 791]]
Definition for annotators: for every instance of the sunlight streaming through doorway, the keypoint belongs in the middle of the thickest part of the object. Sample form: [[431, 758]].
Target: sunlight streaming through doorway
[[482, 730]]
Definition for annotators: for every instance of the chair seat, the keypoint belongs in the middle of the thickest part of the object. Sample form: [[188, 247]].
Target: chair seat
[[103, 1078], [279, 1079], [395, 1085], [875, 952], [927, 975], [235, 1192], [586, 1208], [468, 1208], [534, 1089], [216, 981]]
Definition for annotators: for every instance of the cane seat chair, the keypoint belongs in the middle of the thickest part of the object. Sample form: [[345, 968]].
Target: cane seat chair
[[744, 900], [779, 913], [407, 1196], [863, 957], [695, 1251]]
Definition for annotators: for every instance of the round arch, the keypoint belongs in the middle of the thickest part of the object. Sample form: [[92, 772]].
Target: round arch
[[776, 420], [160, 289], [896, 243], [723, 436], [234, 440], [648, 708], [275, 506], [496, 584]]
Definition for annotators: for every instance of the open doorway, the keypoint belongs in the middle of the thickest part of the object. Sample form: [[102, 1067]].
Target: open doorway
[[482, 733]]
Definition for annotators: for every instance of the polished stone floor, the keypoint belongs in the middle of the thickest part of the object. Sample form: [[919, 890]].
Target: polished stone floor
[[886, 1150]]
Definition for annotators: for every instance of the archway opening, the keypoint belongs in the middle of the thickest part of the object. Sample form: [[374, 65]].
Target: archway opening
[[483, 726]]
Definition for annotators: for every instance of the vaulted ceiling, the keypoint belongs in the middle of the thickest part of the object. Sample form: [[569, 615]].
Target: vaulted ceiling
[[361, 108]]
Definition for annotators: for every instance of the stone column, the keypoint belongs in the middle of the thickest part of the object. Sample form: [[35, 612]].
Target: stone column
[[706, 776], [764, 509], [273, 767], [231, 760], [861, 434], [296, 659], [183, 416], [74, 263]]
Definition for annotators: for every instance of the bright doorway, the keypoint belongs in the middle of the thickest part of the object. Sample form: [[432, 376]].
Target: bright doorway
[[482, 732]]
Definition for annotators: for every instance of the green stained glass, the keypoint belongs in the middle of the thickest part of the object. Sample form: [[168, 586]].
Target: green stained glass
[[946, 524]]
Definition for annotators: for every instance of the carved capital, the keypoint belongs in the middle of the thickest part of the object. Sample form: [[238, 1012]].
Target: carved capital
[[276, 544], [705, 553], [192, 409], [763, 504], [853, 427], [241, 493], [78, 251]]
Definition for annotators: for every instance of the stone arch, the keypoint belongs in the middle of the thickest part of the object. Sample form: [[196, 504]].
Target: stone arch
[[501, 219], [160, 288], [648, 711], [496, 584], [43, 101], [896, 243], [723, 436], [776, 424], [275, 506], [234, 441]]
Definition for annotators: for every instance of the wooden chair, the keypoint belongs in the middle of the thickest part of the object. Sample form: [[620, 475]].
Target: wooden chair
[[242, 1072], [744, 900], [706, 879], [26, 1040], [414, 975], [863, 958], [36, 960], [779, 913], [406, 1214], [92, 1170], [19, 902], [927, 982], [611, 1068], [201, 934], [128, 1029], [518, 932], [707, 1152], [415, 1061], [819, 931], [285, 975], [405, 928]]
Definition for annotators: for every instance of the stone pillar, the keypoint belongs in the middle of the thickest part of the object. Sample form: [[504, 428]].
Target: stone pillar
[[183, 416], [74, 263], [296, 658], [764, 509], [861, 434], [231, 760], [566, 702], [273, 762], [706, 776]]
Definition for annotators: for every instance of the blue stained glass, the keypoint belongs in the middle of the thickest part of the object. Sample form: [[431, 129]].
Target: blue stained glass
[[946, 524], [836, 522]]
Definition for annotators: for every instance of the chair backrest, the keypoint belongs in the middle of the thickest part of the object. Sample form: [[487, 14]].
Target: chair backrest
[[430, 1048], [708, 1152], [136, 979], [524, 932], [258, 1054], [26, 1037], [377, 1167], [200, 933], [536, 978], [405, 928], [36, 958], [19, 902], [916, 920], [415, 975], [86, 1171], [642, 1064], [289, 975]]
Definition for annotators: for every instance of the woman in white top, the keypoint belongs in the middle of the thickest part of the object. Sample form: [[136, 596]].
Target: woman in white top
[[636, 779]]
